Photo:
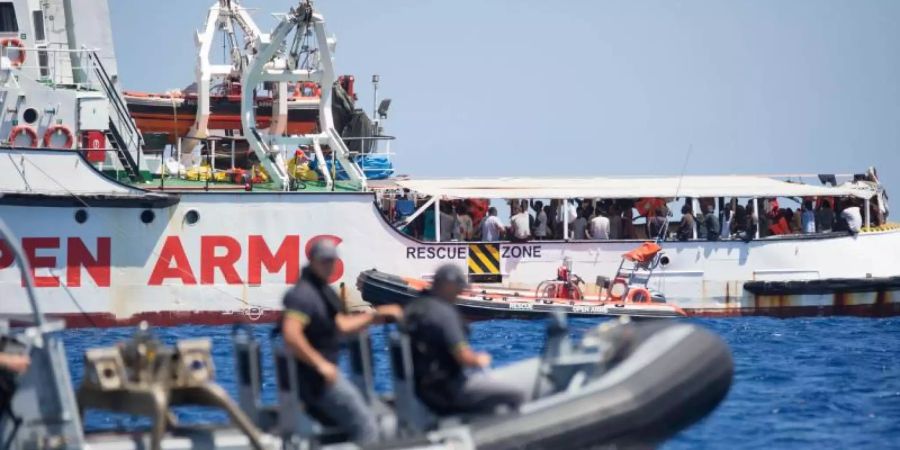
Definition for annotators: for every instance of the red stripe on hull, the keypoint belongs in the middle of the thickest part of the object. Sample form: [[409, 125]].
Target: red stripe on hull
[[171, 318], [163, 319], [871, 310]]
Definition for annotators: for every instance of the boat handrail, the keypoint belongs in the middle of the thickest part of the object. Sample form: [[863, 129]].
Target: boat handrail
[[53, 59]]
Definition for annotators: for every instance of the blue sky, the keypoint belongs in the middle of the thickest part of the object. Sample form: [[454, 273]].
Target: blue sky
[[504, 87]]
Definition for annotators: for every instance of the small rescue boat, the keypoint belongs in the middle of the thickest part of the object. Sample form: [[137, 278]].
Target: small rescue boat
[[627, 295]]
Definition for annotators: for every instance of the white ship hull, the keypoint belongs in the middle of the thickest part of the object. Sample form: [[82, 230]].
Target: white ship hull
[[235, 262]]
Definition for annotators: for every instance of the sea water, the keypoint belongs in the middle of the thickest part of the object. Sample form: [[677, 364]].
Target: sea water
[[817, 382]]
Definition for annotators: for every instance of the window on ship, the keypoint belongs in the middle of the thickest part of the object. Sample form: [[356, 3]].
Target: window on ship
[[8, 23], [38, 19]]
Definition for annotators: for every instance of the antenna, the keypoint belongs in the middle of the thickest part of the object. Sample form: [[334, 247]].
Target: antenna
[[687, 157]]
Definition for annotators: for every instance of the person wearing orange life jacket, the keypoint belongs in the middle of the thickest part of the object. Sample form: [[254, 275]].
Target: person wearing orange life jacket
[[778, 224]]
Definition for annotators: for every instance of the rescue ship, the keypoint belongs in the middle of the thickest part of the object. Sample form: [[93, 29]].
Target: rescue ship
[[124, 219]]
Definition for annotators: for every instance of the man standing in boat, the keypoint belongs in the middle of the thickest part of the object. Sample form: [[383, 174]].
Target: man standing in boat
[[441, 353], [313, 322]]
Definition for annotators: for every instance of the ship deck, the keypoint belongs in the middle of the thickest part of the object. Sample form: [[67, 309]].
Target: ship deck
[[180, 184]]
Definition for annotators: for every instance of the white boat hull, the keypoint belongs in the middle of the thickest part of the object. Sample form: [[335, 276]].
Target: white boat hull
[[120, 270]]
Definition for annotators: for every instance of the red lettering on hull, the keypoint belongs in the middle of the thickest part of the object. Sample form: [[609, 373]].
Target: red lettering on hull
[[172, 251], [259, 255], [31, 246], [218, 255], [210, 261], [78, 256], [6, 255]]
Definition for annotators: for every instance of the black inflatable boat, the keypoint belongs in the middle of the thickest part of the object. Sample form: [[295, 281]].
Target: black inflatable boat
[[485, 302]]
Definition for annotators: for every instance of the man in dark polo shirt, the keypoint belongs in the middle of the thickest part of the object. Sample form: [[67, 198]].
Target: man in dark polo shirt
[[441, 353], [313, 322]]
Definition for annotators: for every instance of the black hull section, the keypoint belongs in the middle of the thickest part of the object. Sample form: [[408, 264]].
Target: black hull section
[[824, 286], [379, 288]]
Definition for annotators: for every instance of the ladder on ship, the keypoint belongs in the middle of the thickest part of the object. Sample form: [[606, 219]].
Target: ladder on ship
[[123, 133]]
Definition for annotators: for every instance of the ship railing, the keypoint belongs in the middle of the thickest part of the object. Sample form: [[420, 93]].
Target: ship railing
[[56, 66], [122, 125]]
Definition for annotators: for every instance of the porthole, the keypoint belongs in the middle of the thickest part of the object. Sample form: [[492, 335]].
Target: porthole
[[30, 116], [147, 216], [664, 260], [81, 216], [191, 217]]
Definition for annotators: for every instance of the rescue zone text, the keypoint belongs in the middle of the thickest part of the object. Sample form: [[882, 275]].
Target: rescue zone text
[[461, 251]]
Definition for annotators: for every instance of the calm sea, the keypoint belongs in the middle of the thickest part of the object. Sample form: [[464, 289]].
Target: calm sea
[[799, 383]]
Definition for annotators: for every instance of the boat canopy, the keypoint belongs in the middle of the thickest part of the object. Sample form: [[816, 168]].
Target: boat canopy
[[697, 186]]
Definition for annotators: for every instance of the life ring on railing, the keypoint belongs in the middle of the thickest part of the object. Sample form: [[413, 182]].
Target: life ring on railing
[[53, 130], [617, 289], [13, 42], [307, 89], [638, 295], [17, 130]]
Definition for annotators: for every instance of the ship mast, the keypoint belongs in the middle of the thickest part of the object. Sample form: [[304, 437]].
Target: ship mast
[[282, 58], [227, 16]]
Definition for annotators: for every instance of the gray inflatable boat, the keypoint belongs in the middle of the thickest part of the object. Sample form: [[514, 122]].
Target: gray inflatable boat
[[623, 383]]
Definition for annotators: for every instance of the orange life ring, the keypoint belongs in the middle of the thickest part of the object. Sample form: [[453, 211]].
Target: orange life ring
[[19, 129], [53, 130], [634, 292], [314, 89], [13, 42], [617, 293]]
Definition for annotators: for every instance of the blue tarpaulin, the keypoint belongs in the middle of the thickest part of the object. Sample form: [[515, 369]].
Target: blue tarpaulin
[[376, 166]]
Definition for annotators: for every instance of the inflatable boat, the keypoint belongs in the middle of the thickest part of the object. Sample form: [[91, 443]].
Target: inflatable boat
[[482, 301], [623, 384]]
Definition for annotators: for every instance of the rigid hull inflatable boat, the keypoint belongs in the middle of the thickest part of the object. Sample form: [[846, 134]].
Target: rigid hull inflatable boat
[[486, 302], [622, 383], [627, 294]]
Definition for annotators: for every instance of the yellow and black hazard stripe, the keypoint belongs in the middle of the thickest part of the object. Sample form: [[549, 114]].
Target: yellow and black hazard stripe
[[484, 262]]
